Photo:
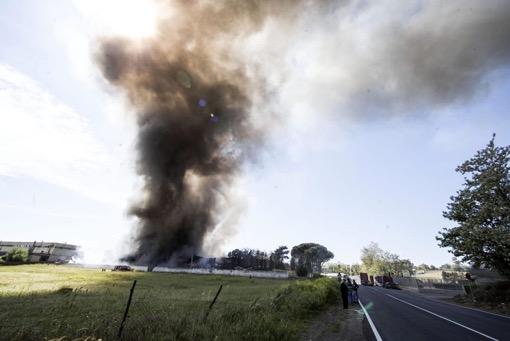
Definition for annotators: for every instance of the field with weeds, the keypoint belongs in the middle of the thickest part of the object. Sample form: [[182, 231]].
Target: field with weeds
[[44, 302]]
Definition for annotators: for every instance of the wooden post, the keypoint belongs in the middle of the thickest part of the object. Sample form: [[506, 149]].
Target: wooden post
[[213, 301], [127, 309]]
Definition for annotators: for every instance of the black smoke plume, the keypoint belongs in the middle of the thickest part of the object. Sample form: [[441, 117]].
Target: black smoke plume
[[202, 86], [193, 104]]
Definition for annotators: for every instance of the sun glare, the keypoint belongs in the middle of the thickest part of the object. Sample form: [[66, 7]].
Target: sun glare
[[135, 18], [130, 18]]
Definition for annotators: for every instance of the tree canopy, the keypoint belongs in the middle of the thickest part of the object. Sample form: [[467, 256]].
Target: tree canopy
[[350, 269], [482, 211], [279, 256], [376, 261], [16, 254], [250, 259], [311, 256]]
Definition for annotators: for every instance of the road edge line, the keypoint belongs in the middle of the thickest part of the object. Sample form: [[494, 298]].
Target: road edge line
[[442, 317], [372, 325]]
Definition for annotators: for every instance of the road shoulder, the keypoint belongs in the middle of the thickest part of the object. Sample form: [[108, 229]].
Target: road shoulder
[[336, 323]]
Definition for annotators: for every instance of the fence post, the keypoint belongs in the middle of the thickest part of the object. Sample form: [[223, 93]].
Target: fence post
[[127, 309], [213, 301]]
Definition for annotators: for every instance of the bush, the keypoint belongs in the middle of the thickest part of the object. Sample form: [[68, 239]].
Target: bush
[[17, 254], [494, 296], [304, 297]]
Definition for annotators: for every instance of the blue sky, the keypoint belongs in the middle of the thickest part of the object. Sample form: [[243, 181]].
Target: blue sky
[[354, 154]]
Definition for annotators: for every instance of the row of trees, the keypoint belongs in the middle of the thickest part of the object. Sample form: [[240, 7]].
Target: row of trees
[[350, 269], [456, 265], [306, 258], [259, 260]]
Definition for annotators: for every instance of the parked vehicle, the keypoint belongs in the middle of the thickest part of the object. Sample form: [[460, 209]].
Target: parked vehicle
[[122, 268], [363, 276]]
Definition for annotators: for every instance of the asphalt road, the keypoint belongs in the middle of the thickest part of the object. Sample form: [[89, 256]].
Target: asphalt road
[[400, 315]]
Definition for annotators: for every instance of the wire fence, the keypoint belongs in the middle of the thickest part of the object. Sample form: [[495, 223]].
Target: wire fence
[[143, 311]]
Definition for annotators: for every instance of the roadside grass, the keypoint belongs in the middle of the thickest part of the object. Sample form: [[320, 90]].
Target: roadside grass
[[44, 302], [493, 297]]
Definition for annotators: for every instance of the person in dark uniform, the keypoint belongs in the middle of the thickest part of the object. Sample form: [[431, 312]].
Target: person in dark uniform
[[344, 290], [354, 288]]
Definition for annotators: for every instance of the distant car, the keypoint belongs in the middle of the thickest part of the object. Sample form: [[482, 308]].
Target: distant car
[[122, 268]]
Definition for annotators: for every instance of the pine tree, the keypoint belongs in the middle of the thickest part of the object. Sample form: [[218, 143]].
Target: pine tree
[[482, 211]]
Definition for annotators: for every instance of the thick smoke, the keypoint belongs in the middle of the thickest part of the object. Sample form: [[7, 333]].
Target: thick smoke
[[194, 129], [206, 88]]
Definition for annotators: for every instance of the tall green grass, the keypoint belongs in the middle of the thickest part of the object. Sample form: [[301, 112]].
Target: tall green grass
[[70, 303]]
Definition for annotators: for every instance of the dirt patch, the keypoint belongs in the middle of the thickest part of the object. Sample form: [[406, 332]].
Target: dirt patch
[[337, 323]]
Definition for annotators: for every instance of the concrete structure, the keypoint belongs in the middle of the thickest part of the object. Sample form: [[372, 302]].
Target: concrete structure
[[241, 273], [43, 252]]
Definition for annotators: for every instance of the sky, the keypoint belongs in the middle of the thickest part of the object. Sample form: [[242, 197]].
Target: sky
[[366, 108]]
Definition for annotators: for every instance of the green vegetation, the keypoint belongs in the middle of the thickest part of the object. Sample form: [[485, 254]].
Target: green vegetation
[[72, 303], [350, 269], [16, 254], [482, 211], [311, 256], [493, 297], [376, 261]]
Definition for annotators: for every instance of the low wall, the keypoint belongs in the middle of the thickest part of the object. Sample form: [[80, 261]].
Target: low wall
[[407, 283], [429, 285], [241, 273]]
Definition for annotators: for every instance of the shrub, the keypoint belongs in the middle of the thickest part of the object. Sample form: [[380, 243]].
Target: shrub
[[17, 254], [304, 297], [493, 296]]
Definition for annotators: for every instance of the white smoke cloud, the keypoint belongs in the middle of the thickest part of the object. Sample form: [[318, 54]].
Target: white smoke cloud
[[374, 59]]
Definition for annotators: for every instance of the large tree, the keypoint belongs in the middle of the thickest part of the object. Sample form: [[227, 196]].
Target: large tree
[[482, 211], [311, 256], [376, 261], [279, 256]]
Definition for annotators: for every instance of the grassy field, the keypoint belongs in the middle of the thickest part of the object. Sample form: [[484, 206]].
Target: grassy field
[[44, 302]]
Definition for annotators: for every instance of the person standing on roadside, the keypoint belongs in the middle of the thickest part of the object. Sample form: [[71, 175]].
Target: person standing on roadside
[[349, 285], [344, 290], [355, 287]]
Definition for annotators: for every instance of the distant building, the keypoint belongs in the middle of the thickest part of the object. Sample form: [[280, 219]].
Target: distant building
[[43, 252]]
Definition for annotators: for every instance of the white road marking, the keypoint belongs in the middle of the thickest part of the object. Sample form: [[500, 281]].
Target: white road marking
[[444, 318], [372, 325]]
